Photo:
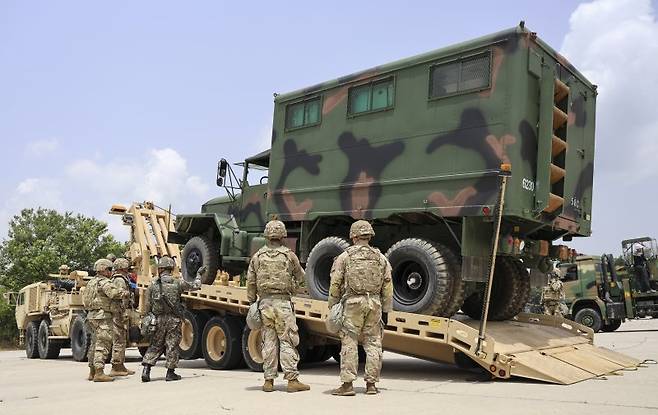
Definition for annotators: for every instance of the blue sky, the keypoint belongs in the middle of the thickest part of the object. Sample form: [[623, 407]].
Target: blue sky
[[92, 93]]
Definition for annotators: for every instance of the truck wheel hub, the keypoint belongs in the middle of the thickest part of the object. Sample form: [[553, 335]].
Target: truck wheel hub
[[414, 280]]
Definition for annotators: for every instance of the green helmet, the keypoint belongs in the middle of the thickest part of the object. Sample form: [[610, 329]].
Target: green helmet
[[275, 229], [166, 262], [361, 228], [121, 263], [102, 264]]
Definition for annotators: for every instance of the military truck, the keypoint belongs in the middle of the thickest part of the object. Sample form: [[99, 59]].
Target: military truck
[[415, 147]]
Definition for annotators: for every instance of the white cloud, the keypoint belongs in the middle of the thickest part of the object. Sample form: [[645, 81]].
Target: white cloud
[[41, 148]]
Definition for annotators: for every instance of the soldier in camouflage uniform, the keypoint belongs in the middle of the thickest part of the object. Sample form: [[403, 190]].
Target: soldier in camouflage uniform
[[163, 299], [274, 275], [552, 297], [101, 291], [361, 277], [64, 270], [120, 307]]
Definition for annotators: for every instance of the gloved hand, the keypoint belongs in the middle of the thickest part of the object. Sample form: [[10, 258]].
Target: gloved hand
[[385, 318], [201, 272]]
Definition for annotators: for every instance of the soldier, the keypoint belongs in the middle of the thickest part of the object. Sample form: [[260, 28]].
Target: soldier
[[64, 270], [99, 293], [120, 308], [163, 299], [642, 271], [361, 277], [274, 275], [111, 257], [552, 296]]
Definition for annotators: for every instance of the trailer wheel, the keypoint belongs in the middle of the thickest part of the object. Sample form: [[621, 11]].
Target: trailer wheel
[[31, 340], [48, 348], [252, 344], [614, 325], [505, 296], [318, 265], [589, 317], [464, 362], [221, 343], [80, 339], [199, 251], [423, 273], [457, 290], [191, 331]]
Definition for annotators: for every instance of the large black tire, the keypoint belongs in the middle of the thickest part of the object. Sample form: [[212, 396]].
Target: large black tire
[[200, 251], [192, 327], [590, 318], [80, 339], [252, 345], [614, 325], [423, 274], [221, 344], [318, 265], [48, 348], [457, 289], [32, 340]]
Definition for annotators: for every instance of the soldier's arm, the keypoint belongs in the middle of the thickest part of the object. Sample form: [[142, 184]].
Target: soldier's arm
[[297, 272], [337, 277], [147, 299], [251, 279], [387, 288], [120, 284], [112, 291]]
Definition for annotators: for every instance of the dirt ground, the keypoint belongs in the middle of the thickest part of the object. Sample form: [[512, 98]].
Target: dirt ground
[[408, 386]]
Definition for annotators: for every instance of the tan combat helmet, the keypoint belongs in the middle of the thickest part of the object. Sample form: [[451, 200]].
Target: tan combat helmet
[[275, 229], [64, 269], [166, 263], [102, 264], [120, 264], [361, 228], [111, 257]]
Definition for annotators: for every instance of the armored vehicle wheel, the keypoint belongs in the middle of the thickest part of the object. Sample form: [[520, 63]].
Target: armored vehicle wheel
[[199, 251], [31, 340], [423, 274], [590, 318], [80, 339], [191, 331], [614, 325], [221, 343], [318, 266], [142, 350], [48, 348], [252, 344]]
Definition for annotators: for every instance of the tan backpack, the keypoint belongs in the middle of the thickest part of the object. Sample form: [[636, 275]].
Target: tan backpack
[[364, 270]]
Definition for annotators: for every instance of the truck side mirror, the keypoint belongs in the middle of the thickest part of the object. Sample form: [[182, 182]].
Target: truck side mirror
[[222, 166]]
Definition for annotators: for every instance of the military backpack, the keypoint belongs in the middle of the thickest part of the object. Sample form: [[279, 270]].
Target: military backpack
[[273, 273], [364, 270]]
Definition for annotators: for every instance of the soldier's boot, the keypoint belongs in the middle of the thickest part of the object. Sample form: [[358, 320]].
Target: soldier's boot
[[371, 389], [121, 370], [268, 386], [92, 371], [146, 373], [171, 375], [296, 386], [100, 376], [345, 389]]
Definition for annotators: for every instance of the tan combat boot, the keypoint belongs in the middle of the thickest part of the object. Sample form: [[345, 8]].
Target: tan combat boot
[[268, 386], [371, 389], [100, 376], [121, 370], [296, 386], [92, 370], [345, 389]]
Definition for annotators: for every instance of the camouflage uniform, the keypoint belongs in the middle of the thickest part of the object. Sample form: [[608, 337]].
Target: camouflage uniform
[[361, 277], [274, 274], [120, 307], [552, 298]]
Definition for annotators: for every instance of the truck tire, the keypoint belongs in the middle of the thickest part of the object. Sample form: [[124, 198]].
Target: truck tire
[[423, 274], [505, 297], [318, 265], [523, 294], [221, 345], [80, 339], [198, 251], [457, 290], [32, 340], [589, 317], [48, 348], [252, 345], [614, 325], [191, 331]]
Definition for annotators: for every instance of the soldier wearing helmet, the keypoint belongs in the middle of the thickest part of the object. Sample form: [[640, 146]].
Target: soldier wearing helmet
[[97, 297], [64, 270], [163, 299], [273, 277], [120, 307], [642, 270], [361, 279], [111, 257], [552, 296]]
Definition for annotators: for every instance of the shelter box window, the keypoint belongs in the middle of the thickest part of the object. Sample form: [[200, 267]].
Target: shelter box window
[[374, 96], [467, 74], [303, 114]]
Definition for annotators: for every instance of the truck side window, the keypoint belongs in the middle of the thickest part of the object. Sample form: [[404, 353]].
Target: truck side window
[[462, 75], [571, 274]]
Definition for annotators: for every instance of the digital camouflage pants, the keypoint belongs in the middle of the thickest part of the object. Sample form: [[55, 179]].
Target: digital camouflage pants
[[119, 338], [101, 342], [166, 339], [555, 308], [362, 319], [280, 338]]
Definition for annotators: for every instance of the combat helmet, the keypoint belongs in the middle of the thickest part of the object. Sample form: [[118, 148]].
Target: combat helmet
[[102, 264], [361, 228], [275, 229], [121, 263], [166, 262], [64, 269], [111, 257]]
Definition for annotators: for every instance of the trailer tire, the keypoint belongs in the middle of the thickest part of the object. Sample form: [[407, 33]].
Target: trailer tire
[[589, 317], [464, 362], [457, 289], [614, 325], [221, 343], [192, 326], [252, 344], [318, 265], [505, 297], [80, 339], [423, 273], [48, 348], [200, 251], [32, 340]]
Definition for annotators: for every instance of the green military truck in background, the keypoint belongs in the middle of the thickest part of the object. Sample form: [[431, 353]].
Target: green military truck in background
[[415, 147], [601, 294]]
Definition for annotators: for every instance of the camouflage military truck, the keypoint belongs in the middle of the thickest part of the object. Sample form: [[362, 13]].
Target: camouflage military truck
[[415, 147]]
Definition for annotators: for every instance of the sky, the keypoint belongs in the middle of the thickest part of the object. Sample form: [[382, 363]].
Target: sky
[[113, 102]]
